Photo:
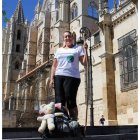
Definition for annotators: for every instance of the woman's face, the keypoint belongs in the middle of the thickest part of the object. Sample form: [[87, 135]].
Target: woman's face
[[68, 39]]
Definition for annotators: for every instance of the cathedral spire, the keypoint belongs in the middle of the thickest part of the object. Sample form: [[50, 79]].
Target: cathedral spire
[[106, 6], [100, 7], [115, 5], [38, 7], [19, 15]]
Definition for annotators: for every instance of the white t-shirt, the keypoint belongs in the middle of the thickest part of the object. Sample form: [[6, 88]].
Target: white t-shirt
[[68, 61]]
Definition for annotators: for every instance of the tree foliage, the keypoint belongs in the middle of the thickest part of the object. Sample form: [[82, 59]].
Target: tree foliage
[[4, 15]]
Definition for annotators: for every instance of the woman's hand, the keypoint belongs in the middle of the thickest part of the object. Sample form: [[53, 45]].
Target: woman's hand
[[85, 45], [54, 65], [51, 84], [84, 59]]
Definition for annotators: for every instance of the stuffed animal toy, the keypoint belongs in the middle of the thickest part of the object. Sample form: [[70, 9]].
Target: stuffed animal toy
[[47, 120]]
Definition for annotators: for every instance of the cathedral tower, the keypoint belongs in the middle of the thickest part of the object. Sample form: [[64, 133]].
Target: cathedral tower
[[82, 11], [59, 22], [13, 50]]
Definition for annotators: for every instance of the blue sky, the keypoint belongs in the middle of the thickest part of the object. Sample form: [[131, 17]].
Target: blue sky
[[28, 8]]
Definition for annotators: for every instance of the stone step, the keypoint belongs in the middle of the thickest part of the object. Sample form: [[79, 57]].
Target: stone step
[[128, 136], [92, 132]]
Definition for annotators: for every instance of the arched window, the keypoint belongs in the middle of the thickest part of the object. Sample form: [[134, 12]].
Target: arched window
[[17, 65], [18, 35], [17, 48], [97, 38], [57, 5], [121, 2], [39, 48], [74, 11], [92, 10], [57, 15], [128, 60]]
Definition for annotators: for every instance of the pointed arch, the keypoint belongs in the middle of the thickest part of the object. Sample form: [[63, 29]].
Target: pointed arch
[[39, 45], [57, 6], [57, 15], [46, 5], [74, 11], [17, 65], [17, 48], [18, 35], [92, 10]]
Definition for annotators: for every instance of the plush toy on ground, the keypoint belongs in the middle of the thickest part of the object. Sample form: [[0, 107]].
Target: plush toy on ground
[[47, 120]]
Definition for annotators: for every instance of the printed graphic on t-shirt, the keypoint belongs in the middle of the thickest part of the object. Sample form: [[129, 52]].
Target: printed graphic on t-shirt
[[70, 58]]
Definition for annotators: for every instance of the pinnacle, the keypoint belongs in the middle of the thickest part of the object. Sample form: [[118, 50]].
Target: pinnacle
[[19, 15]]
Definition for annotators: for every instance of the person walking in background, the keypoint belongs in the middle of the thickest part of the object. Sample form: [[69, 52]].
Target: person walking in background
[[65, 73], [102, 120]]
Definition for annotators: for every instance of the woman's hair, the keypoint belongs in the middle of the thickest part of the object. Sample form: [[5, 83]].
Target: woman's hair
[[68, 32]]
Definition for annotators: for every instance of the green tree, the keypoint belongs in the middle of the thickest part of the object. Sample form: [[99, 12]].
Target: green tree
[[4, 16]]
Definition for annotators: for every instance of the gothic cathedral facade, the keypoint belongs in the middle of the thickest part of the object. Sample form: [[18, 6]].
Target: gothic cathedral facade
[[28, 51]]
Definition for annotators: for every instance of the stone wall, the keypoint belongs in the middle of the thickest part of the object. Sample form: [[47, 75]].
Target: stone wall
[[13, 119], [9, 118]]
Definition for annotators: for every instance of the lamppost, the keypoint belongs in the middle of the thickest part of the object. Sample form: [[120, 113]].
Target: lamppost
[[85, 32]]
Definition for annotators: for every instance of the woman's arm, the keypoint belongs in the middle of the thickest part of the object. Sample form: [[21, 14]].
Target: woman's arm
[[84, 58], [53, 69]]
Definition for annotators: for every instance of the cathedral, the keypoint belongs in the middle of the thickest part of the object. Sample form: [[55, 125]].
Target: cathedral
[[109, 87]]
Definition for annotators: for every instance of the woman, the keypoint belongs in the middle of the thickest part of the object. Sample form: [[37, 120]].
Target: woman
[[65, 73]]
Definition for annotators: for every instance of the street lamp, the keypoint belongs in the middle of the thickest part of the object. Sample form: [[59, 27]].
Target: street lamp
[[85, 32]]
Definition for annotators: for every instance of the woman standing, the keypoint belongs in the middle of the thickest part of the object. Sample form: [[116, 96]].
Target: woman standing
[[65, 73]]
